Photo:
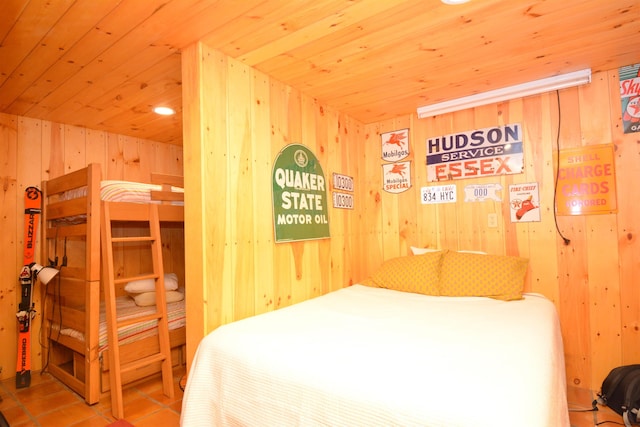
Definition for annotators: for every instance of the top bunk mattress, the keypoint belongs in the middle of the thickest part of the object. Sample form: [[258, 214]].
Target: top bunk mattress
[[123, 191], [133, 192], [378, 357], [117, 191]]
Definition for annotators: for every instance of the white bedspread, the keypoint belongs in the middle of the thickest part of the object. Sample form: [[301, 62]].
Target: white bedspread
[[365, 356]]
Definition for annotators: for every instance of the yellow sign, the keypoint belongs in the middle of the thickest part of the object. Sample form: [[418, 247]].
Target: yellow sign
[[587, 181]]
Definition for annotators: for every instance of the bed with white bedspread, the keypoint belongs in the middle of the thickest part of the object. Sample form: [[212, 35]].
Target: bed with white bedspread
[[368, 356]]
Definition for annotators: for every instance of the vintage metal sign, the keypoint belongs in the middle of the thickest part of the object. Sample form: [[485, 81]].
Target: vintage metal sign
[[587, 181], [342, 183], [482, 192], [395, 145], [342, 200], [396, 177], [437, 194], [524, 202], [475, 154], [300, 202], [630, 97]]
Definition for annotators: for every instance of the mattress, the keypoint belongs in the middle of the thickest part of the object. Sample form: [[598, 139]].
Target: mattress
[[126, 308], [122, 191], [133, 192], [116, 191], [378, 357]]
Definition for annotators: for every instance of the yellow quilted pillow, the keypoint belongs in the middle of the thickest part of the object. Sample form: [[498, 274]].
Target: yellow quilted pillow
[[494, 276], [413, 273]]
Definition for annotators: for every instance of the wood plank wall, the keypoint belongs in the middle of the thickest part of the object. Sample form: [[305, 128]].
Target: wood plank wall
[[231, 140], [591, 279], [230, 251], [35, 150], [230, 144]]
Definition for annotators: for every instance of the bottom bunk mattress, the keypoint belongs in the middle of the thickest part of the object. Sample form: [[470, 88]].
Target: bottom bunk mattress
[[127, 308], [372, 356]]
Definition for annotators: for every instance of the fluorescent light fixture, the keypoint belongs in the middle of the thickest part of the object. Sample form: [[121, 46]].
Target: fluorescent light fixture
[[454, 1], [535, 87]]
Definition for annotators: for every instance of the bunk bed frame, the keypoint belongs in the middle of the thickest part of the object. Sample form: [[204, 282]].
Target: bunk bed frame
[[73, 301]]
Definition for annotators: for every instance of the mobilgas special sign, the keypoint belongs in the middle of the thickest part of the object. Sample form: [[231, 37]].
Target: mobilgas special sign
[[474, 154], [396, 177], [300, 209]]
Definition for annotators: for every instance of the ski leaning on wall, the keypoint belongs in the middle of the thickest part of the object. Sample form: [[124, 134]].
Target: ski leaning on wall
[[26, 312]]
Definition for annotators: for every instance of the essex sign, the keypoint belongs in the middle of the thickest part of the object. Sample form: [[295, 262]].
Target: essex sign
[[300, 209], [474, 154]]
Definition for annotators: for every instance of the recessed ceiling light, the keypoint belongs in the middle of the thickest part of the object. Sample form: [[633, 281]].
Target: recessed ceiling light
[[454, 1], [164, 111]]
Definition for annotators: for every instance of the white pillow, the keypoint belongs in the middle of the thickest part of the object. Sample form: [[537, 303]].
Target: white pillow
[[421, 251], [149, 298], [149, 285]]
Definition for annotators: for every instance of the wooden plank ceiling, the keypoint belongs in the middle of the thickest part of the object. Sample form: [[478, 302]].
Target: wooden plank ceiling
[[104, 64]]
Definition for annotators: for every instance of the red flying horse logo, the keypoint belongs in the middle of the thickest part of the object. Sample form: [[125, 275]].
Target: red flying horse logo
[[399, 168], [396, 138]]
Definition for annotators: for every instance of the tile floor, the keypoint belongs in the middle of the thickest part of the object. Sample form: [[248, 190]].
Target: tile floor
[[580, 399], [47, 402]]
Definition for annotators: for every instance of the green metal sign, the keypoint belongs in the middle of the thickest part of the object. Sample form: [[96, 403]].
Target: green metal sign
[[299, 196]]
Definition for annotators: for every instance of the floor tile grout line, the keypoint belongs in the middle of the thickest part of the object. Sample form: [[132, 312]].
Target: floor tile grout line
[[19, 404], [163, 406], [66, 389], [98, 410]]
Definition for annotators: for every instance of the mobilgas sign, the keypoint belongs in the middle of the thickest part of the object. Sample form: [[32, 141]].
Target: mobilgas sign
[[478, 153], [300, 209]]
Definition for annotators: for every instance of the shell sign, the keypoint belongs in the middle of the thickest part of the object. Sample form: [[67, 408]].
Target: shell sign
[[586, 181]]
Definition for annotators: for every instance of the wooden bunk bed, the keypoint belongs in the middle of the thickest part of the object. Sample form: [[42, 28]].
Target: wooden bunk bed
[[74, 328]]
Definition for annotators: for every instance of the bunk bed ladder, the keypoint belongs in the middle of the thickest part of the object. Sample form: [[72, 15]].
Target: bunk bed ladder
[[112, 213]]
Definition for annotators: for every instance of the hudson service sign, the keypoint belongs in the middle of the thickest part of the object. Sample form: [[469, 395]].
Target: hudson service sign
[[478, 153]]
